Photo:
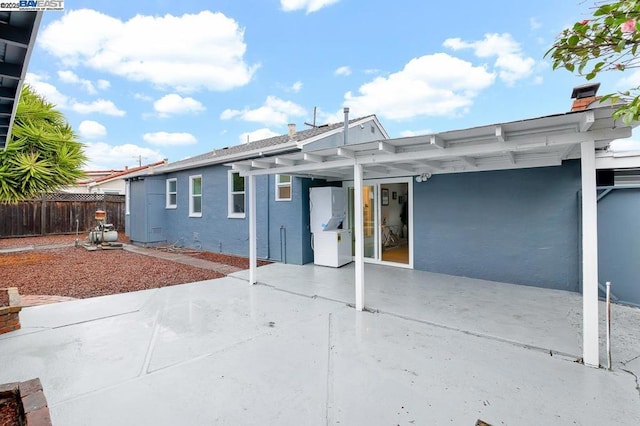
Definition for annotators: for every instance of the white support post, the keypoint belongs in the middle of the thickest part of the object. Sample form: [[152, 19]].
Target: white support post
[[253, 258], [590, 346], [358, 228]]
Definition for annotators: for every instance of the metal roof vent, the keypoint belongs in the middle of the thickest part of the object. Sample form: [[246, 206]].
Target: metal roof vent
[[588, 90], [584, 96]]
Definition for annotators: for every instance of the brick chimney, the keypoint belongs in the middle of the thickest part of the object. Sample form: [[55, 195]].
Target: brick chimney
[[292, 130], [584, 96]]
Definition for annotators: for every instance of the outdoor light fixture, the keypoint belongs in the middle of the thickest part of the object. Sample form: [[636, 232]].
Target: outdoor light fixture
[[423, 177]]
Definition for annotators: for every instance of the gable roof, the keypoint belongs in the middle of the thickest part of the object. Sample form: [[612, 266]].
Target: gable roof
[[276, 144]]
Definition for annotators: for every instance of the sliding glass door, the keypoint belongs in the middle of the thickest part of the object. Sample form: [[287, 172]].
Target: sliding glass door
[[386, 219], [369, 213]]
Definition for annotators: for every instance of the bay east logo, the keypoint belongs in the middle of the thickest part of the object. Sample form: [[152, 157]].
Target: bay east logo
[[44, 4]]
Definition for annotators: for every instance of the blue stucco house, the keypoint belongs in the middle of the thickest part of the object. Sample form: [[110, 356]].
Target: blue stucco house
[[203, 199], [514, 202]]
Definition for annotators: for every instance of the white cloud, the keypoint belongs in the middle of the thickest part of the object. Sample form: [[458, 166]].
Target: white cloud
[[169, 139], [47, 90], [257, 135], [631, 80], [275, 111], [142, 97], [90, 129], [344, 71], [431, 85], [103, 84], [310, 5], [534, 23], [100, 106], [187, 52], [296, 87], [102, 156], [72, 78], [176, 104], [511, 63]]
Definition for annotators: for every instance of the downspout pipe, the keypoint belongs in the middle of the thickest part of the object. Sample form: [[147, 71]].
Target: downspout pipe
[[346, 126]]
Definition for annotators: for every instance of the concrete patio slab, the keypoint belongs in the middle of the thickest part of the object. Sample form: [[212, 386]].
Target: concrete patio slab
[[549, 320], [224, 352]]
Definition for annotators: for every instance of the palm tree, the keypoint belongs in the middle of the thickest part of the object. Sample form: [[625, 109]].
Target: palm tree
[[43, 154]]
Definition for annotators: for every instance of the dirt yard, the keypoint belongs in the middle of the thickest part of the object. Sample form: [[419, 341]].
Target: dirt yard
[[75, 272]]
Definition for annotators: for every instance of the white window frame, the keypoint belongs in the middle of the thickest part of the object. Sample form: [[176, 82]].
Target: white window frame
[[168, 204], [284, 185], [192, 196], [230, 213]]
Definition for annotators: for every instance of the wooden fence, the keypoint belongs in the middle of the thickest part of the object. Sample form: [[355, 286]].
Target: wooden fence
[[60, 214]]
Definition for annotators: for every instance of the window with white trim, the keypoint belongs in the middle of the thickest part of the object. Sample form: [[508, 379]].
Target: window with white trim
[[283, 188], [172, 193], [195, 196], [236, 195]]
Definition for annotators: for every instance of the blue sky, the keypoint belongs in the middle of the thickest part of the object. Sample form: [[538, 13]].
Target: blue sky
[[172, 79]]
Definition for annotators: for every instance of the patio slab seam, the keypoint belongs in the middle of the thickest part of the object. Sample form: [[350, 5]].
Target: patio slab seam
[[153, 372], [94, 319], [549, 351], [152, 341], [329, 396]]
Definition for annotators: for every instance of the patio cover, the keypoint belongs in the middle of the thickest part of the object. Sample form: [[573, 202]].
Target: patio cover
[[537, 142], [17, 37]]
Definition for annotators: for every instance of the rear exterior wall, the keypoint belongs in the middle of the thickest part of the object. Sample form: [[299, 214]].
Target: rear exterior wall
[[619, 243], [514, 226], [282, 226]]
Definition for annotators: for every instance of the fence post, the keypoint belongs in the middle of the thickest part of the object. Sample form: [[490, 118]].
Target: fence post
[[43, 215]]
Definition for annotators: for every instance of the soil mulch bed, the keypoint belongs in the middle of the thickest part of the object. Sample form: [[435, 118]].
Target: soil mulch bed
[[9, 412], [237, 261], [76, 272]]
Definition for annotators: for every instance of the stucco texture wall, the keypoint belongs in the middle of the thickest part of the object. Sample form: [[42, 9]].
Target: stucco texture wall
[[515, 226], [214, 229], [282, 226], [619, 243]]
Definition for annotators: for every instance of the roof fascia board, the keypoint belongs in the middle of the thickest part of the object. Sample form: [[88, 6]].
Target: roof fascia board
[[451, 152], [227, 158], [301, 168], [617, 162], [303, 144], [25, 65], [459, 151]]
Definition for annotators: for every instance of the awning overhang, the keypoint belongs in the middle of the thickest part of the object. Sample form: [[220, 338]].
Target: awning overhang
[[18, 32], [538, 142]]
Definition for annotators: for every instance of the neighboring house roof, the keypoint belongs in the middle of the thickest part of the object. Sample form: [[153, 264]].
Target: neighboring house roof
[[271, 145], [124, 173], [18, 32], [97, 178]]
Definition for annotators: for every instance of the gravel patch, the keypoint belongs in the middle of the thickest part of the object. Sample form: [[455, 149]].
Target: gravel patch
[[76, 272]]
